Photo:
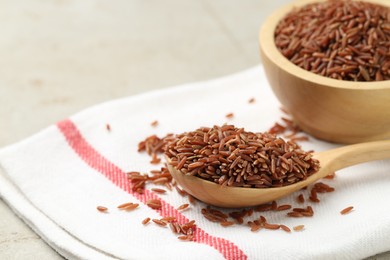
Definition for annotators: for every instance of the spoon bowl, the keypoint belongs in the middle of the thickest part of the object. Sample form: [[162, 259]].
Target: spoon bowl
[[236, 197]]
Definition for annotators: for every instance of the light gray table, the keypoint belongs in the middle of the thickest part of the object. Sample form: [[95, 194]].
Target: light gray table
[[61, 56]]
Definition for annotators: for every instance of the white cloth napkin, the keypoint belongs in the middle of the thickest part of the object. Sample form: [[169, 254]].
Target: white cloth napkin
[[55, 179]]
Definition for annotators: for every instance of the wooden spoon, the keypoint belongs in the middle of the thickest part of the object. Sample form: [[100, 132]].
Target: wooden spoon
[[235, 197]]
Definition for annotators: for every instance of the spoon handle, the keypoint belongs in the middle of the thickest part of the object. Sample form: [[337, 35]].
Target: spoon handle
[[349, 155]]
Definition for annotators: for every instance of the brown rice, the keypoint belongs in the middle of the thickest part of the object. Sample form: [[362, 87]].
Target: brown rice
[[230, 115], [285, 228], [101, 208], [346, 40], [159, 222], [231, 156], [154, 204], [183, 206], [300, 198], [161, 191], [299, 228], [145, 221], [346, 210]]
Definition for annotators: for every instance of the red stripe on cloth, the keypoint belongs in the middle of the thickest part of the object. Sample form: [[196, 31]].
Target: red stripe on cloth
[[98, 162]]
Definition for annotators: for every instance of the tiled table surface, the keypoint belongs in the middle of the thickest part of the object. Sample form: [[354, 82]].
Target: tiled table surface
[[61, 56]]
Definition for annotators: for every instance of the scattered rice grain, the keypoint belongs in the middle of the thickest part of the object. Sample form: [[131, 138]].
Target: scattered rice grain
[[299, 228], [161, 191], [285, 228], [102, 208], [159, 222], [346, 210], [145, 221], [183, 206], [230, 115], [300, 198]]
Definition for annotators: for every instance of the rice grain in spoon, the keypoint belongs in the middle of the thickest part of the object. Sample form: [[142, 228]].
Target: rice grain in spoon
[[228, 167]]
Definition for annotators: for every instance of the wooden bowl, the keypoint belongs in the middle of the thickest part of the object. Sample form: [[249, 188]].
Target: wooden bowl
[[329, 109]]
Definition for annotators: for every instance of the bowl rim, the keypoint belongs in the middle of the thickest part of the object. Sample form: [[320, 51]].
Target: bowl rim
[[270, 50]]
